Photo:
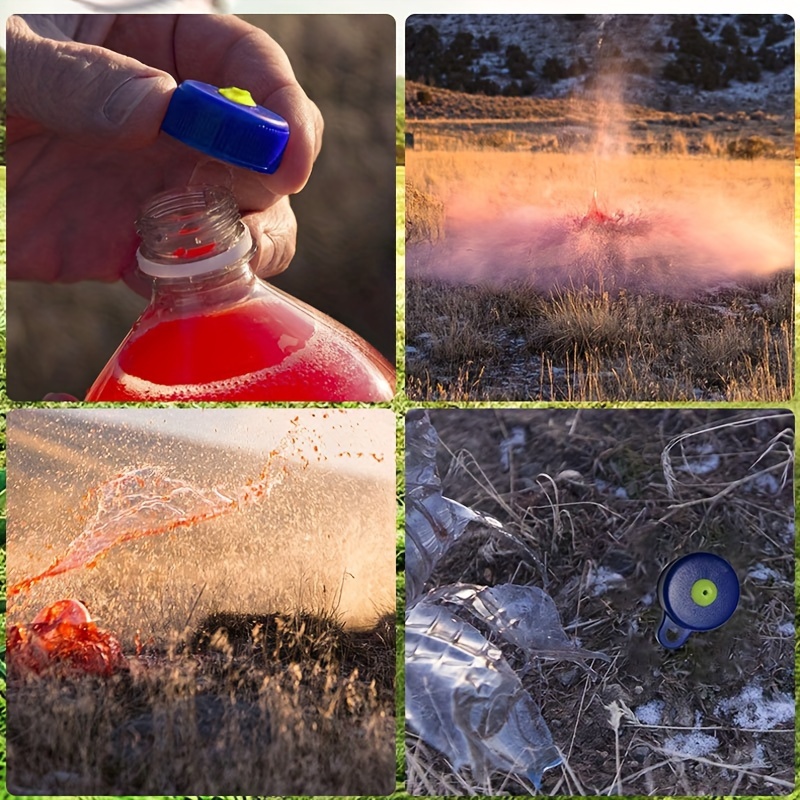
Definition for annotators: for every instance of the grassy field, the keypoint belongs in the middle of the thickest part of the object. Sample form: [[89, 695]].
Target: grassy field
[[440, 119], [244, 704], [681, 288], [248, 667], [599, 501]]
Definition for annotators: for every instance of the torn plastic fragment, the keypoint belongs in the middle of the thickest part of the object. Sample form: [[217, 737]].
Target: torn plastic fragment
[[464, 700], [525, 616], [63, 636], [433, 523]]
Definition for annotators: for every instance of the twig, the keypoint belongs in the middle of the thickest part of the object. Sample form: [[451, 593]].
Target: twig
[[571, 773], [723, 765], [722, 493]]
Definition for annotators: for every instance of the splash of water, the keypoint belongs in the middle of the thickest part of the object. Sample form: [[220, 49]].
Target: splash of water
[[145, 501]]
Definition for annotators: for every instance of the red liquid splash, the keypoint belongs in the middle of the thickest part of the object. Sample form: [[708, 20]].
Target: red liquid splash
[[146, 502], [619, 223], [260, 350], [63, 636], [594, 216]]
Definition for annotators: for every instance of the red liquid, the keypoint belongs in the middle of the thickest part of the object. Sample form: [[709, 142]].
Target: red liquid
[[63, 636], [146, 502], [263, 349]]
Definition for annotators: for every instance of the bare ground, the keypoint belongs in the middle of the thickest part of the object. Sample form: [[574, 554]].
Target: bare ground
[[587, 491]]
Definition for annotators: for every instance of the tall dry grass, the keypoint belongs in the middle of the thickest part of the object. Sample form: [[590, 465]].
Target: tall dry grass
[[483, 343], [501, 180], [242, 705]]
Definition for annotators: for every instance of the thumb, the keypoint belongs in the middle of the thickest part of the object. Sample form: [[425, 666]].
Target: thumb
[[84, 92]]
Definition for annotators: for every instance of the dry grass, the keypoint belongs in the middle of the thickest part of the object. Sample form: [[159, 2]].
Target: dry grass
[[242, 705], [448, 120], [671, 307], [619, 494], [566, 180], [484, 343]]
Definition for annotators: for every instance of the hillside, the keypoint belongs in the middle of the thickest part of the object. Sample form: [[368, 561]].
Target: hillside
[[680, 63]]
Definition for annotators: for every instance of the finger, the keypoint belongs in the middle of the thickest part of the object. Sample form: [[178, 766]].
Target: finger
[[252, 60], [275, 233], [82, 91]]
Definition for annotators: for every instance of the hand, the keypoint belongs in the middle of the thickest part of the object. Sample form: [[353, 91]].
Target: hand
[[86, 95]]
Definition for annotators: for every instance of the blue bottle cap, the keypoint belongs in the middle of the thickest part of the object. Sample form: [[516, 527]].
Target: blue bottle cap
[[698, 592], [228, 125]]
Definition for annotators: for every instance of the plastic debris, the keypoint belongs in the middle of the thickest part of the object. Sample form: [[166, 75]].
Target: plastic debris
[[63, 636], [462, 696], [463, 699], [525, 616], [433, 522]]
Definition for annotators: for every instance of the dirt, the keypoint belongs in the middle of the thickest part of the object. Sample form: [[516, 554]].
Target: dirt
[[588, 493]]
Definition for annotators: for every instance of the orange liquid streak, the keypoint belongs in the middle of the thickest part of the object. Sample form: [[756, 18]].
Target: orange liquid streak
[[123, 515]]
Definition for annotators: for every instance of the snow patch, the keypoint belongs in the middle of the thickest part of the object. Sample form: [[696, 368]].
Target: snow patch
[[608, 488], [692, 744], [761, 573], [601, 579], [750, 709], [650, 713], [768, 484], [702, 462]]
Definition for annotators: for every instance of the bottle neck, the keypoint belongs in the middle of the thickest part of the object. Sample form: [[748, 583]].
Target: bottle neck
[[191, 235], [221, 287]]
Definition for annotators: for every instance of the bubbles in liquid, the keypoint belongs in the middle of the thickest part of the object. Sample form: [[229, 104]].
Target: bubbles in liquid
[[252, 351]]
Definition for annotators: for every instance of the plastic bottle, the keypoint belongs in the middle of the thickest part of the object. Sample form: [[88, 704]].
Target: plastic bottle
[[214, 331]]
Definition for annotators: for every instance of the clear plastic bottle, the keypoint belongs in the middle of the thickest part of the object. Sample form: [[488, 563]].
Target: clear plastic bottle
[[213, 331]]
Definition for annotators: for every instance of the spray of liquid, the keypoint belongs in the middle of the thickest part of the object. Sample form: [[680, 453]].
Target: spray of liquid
[[605, 219], [145, 501], [300, 515]]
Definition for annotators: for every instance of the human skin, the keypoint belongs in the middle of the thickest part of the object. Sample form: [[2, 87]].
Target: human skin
[[86, 95]]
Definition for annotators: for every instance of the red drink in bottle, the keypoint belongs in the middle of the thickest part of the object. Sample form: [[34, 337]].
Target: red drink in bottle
[[214, 332]]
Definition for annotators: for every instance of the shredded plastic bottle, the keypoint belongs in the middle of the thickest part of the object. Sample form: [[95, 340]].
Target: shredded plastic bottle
[[214, 332]]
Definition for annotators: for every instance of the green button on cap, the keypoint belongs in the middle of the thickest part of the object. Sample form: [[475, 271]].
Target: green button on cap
[[704, 592], [240, 96]]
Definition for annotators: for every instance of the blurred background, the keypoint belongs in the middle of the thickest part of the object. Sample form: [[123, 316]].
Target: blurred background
[[60, 336]]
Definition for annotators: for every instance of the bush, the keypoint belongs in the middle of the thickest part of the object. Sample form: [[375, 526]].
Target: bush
[[554, 70], [517, 62], [775, 33], [729, 35], [752, 147]]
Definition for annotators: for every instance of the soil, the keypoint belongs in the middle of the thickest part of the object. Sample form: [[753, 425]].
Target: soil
[[587, 491]]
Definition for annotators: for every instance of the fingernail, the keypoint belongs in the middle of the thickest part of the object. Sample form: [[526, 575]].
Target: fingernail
[[127, 97]]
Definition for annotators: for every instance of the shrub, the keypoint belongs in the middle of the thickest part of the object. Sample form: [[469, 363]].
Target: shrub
[[424, 216], [517, 61], [752, 147], [554, 69]]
